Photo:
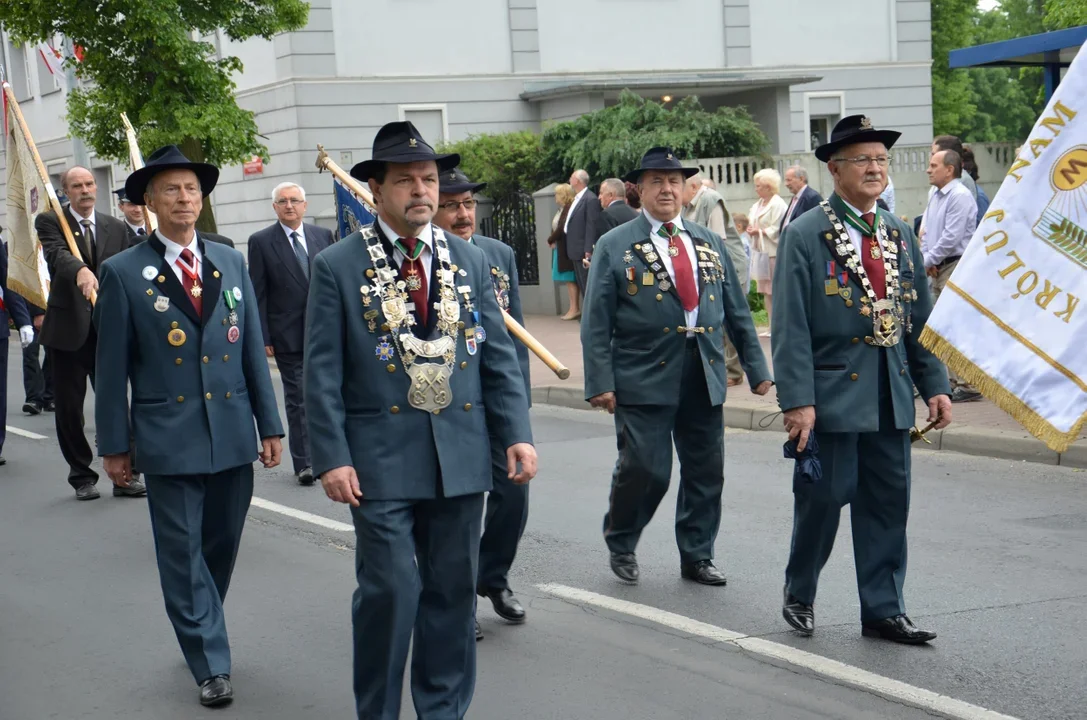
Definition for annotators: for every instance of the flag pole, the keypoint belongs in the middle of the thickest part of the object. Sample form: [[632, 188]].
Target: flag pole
[[54, 203], [324, 162], [135, 158]]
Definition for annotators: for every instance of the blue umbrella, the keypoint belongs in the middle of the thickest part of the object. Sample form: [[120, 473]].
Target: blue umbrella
[[808, 470]]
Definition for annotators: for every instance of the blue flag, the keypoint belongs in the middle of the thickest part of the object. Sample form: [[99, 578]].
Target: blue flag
[[351, 212]]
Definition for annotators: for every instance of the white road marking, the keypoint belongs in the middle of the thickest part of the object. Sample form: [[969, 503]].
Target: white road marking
[[302, 515], [26, 433], [840, 672]]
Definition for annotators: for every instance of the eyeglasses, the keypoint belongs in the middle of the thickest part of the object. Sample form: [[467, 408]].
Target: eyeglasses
[[863, 161], [453, 205], [283, 202]]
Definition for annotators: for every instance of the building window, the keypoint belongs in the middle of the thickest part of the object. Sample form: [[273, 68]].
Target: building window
[[822, 111], [429, 120]]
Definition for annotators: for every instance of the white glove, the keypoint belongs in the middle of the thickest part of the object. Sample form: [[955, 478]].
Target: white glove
[[26, 335]]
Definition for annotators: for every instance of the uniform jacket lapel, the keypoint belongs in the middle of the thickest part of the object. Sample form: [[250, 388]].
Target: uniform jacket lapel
[[212, 283], [169, 285]]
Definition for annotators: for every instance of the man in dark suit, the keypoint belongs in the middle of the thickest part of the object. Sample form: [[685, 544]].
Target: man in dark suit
[[804, 196], [582, 228], [507, 503], [133, 214], [405, 377], [67, 329], [613, 201], [179, 322], [279, 265], [14, 307], [37, 373]]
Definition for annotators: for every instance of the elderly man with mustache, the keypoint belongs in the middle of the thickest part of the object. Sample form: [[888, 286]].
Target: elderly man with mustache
[[854, 299]]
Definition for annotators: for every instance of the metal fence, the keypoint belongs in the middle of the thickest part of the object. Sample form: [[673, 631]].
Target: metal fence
[[513, 221]]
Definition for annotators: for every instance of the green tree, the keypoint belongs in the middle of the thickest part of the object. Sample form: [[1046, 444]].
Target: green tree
[[953, 96], [140, 58], [611, 141], [509, 163], [1061, 14]]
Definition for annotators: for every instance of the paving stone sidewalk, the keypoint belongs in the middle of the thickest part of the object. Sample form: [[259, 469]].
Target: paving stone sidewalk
[[979, 428]]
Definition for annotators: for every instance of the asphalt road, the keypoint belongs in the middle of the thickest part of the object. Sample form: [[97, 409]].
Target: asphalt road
[[997, 567]]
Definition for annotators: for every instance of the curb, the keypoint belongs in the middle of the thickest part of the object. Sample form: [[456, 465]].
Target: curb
[[1002, 444]]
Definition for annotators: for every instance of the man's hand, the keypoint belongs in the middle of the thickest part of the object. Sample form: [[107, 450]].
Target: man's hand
[[939, 411], [26, 335], [604, 401], [800, 422], [269, 351], [342, 485], [37, 320], [763, 387], [119, 468], [87, 282], [271, 450], [524, 454], [585, 261], [932, 272]]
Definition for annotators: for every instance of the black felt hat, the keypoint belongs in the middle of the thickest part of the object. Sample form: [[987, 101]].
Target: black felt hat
[[455, 182], [169, 157], [659, 158], [120, 193], [400, 142], [855, 129]]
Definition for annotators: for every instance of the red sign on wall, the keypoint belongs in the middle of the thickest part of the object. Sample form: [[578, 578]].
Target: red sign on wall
[[253, 168]]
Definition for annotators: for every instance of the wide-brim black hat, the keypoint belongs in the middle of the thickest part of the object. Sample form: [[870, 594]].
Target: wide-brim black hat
[[659, 158], [169, 157], [454, 182], [400, 142], [852, 130]]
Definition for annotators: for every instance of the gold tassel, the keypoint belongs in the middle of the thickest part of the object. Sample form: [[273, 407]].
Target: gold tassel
[[1034, 423]]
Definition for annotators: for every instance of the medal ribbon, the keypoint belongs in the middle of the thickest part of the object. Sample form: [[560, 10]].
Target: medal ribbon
[[862, 225], [190, 280]]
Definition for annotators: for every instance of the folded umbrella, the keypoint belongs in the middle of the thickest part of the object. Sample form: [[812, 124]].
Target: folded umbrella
[[808, 469]]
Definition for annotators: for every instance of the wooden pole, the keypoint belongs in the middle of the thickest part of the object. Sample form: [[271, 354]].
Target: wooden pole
[[54, 203], [324, 162], [135, 158]]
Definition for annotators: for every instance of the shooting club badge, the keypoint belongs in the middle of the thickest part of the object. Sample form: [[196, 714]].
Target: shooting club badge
[[162, 303], [231, 299]]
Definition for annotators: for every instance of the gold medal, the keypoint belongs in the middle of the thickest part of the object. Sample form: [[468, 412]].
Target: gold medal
[[632, 289], [673, 250], [874, 250], [197, 291], [413, 282], [176, 337]]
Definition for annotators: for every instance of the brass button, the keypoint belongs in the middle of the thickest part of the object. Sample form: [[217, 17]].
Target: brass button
[[855, 340], [454, 268], [467, 406], [384, 327], [709, 329], [902, 371], [712, 298], [181, 398], [369, 272], [173, 325], [207, 396], [228, 396], [177, 362], [394, 409], [849, 303], [463, 365], [659, 297], [854, 376], [150, 292], [225, 358], [437, 411], [224, 321], [665, 329], [205, 359], [215, 274], [390, 367], [162, 278], [662, 362], [711, 361], [460, 324]]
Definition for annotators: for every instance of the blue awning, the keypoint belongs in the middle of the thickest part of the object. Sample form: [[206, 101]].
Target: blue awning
[[1051, 48]]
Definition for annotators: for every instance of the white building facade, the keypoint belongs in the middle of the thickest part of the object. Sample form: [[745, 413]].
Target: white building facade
[[488, 66]]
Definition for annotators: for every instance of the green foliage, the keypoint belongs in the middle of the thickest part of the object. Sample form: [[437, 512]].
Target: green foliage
[[140, 58], [509, 163], [953, 97], [1061, 14], [754, 299], [610, 142]]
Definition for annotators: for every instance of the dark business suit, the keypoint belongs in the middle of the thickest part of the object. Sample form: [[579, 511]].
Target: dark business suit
[[195, 396], [613, 216], [67, 330], [37, 373], [16, 309], [281, 285], [422, 474], [507, 503], [581, 234], [808, 199]]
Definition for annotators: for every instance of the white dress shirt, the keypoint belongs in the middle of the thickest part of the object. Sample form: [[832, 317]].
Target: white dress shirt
[[577, 199], [426, 236], [173, 252], [136, 228], [661, 246], [301, 236]]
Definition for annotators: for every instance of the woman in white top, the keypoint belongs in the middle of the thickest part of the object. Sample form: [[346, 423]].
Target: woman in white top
[[764, 220]]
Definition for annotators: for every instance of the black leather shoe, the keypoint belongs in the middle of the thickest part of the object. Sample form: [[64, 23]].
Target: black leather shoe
[[49, 407], [87, 492], [799, 615], [135, 488], [897, 629], [31, 408], [961, 395], [3, 461], [625, 567], [703, 572], [216, 691], [305, 477], [505, 604], [479, 632]]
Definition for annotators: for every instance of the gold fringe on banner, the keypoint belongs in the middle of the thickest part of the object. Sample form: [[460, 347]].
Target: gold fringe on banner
[[1007, 401]]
